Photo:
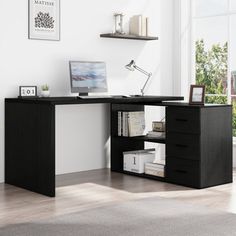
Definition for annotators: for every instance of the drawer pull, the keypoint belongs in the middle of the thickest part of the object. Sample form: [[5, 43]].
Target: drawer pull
[[181, 120], [181, 171], [181, 145]]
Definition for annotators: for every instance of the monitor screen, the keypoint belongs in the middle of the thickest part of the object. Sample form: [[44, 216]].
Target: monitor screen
[[88, 76]]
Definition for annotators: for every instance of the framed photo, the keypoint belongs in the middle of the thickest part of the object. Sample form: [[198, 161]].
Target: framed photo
[[44, 19], [197, 94], [27, 91]]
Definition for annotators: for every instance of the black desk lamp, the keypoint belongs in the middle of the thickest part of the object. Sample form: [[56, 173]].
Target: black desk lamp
[[132, 66]]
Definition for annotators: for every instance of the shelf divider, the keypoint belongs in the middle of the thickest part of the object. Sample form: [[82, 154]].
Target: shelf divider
[[143, 138]]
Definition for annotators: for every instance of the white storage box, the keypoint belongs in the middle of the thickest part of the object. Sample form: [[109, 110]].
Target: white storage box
[[134, 161], [155, 169]]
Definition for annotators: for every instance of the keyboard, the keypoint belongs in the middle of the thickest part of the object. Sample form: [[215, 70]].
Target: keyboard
[[95, 96], [104, 96]]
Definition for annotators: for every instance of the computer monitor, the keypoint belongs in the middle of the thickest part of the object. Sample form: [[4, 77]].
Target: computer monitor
[[88, 77]]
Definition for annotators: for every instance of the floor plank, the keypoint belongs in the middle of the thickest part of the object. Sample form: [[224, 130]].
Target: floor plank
[[86, 190]]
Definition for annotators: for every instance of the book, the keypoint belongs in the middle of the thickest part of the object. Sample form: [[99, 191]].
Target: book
[[125, 124], [154, 169], [131, 124], [119, 123], [155, 165], [147, 26], [144, 26], [138, 25], [155, 134], [136, 123], [135, 25]]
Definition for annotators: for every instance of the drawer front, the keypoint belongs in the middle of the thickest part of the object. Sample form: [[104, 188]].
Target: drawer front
[[183, 120], [183, 145], [183, 172]]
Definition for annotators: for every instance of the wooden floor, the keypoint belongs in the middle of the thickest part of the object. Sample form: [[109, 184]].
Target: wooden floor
[[86, 190]]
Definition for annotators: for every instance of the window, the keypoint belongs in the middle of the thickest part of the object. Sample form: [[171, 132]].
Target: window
[[214, 46]]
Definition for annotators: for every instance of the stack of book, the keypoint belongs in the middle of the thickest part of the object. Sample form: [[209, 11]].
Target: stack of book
[[131, 124], [154, 169], [155, 134], [138, 25]]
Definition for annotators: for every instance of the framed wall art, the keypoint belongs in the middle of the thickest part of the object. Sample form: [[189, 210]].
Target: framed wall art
[[44, 19], [197, 95]]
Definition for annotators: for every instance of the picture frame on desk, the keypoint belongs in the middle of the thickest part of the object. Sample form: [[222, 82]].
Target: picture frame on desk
[[28, 92], [197, 95]]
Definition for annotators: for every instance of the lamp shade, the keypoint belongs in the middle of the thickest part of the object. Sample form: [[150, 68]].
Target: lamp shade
[[130, 66]]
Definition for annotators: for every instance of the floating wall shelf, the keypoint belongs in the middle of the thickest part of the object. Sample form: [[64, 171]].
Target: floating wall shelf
[[127, 36]]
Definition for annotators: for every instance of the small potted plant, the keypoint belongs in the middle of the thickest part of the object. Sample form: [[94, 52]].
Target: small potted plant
[[45, 91]]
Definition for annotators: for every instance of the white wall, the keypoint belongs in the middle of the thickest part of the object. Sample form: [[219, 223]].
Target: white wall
[[35, 62], [82, 137]]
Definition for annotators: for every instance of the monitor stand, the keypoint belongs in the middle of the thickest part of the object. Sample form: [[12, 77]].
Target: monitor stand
[[83, 94]]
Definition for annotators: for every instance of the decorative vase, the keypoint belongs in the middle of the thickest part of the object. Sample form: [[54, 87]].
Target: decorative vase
[[45, 93]]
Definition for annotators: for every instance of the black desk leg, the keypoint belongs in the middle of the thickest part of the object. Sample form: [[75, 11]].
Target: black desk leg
[[30, 147]]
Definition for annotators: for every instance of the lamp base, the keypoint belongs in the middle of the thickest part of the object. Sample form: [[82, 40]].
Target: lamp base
[[136, 95]]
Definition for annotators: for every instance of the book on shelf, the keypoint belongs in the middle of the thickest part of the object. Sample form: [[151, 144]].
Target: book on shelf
[[155, 134], [131, 124], [138, 25], [119, 123], [155, 169], [135, 25]]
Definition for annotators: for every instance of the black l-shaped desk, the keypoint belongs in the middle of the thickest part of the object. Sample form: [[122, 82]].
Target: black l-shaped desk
[[198, 141]]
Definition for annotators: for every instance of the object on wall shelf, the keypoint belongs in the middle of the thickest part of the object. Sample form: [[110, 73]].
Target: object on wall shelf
[[127, 36], [119, 29], [139, 25]]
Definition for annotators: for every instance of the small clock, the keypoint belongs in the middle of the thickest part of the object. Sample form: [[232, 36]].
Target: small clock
[[27, 91]]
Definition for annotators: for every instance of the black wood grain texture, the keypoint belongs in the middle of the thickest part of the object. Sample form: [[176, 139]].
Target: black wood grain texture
[[183, 120], [115, 99], [186, 146], [216, 146], [183, 172], [119, 145], [202, 134], [30, 147], [198, 141]]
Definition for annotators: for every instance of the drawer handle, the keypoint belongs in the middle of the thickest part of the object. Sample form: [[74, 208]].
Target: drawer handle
[[181, 120], [181, 145], [181, 171]]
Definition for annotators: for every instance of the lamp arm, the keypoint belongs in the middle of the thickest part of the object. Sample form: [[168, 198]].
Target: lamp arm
[[141, 70], [144, 86], [145, 73]]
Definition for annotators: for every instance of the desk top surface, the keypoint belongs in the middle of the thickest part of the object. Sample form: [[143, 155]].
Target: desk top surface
[[112, 99], [145, 100]]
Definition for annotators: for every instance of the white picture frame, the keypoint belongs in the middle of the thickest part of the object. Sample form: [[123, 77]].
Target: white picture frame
[[44, 19]]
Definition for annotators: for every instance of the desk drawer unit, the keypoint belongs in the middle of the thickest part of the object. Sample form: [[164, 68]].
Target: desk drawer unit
[[198, 145], [183, 120], [185, 146], [184, 172]]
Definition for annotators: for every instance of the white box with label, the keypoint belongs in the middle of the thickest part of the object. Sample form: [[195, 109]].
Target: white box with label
[[134, 161]]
